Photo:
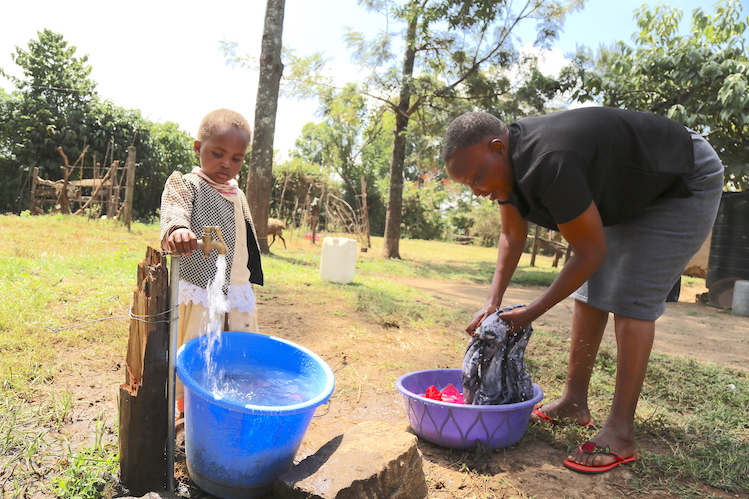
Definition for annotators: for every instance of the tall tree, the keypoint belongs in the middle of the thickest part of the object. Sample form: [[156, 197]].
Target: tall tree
[[260, 177], [348, 144], [445, 46], [700, 79], [402, 113], [55, 96], [55, 104]]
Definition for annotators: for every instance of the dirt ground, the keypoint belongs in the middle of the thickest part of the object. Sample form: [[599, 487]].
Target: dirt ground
[[367, 358]]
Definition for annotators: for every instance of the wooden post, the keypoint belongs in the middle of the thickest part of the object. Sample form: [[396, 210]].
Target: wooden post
[[129, 186], [114, 192], [62, 197], [32, 194], [534, 249], [365, 211], [143, 397], [314, 214], [283, 194]]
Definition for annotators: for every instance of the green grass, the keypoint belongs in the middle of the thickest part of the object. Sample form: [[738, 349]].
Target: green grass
[[696, 410], [448, 261], [57, 272]]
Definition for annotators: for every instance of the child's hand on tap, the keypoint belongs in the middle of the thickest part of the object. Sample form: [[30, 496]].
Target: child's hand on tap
[[182, 241]]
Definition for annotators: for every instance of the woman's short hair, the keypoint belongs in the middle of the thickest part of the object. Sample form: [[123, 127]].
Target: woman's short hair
[[468, 129]]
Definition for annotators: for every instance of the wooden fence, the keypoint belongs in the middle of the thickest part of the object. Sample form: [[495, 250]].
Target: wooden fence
[[96, 197]]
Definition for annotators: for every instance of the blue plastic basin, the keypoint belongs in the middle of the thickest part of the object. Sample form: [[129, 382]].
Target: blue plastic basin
[[237, 450]]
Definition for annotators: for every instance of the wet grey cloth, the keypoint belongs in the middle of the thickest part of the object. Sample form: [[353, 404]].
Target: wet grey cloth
[[494, 366]]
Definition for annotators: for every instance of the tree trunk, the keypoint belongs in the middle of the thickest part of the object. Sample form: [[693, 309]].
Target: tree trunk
[[260, 178], [394, 215]]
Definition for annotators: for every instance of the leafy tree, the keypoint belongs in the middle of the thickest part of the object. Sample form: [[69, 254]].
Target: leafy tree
[[11, 185], [700, 79], [162, 149], [456, 66], [297, 183], [5, 107], [55, 105], [349, 143], [54, 99], [422, 214], [486, 222], [445, 44]]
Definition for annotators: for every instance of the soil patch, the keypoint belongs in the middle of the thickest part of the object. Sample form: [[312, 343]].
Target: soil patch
[[367, 358]]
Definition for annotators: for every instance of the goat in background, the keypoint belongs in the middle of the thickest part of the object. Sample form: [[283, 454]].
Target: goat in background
[[275, 228]]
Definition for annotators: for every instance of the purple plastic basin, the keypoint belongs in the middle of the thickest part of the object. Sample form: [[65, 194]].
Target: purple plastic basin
[[462, 426]]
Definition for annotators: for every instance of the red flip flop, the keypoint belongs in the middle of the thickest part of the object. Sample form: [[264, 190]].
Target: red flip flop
[[545, 417], [592, 448]]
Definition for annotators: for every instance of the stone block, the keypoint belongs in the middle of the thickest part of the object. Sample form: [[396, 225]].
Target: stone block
[[372, 460]]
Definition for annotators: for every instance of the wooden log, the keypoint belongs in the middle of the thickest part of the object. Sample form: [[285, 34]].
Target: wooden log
[[143, 400], [94, 195], [365, 213], [62, 199], [113, 200], [33, 208], [129, 186]]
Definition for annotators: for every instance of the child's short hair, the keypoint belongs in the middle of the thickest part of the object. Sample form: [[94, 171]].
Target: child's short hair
[[218, 121], [468, 129]]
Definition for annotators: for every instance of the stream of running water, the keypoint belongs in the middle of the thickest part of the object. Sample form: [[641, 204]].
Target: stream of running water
[[252, 384], [218, 306]]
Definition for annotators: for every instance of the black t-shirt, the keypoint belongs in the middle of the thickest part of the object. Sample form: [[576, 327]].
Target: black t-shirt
[[621, 160]]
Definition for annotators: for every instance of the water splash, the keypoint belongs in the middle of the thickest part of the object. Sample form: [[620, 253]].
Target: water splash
[[218, 306]]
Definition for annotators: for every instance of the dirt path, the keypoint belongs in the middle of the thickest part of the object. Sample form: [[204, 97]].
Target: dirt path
[[686, 329]]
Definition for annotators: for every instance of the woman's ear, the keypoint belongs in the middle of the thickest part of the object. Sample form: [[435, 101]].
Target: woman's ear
[[497, 145]]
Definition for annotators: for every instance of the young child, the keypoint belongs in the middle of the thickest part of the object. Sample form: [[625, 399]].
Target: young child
[[209, 196], [635, 195]]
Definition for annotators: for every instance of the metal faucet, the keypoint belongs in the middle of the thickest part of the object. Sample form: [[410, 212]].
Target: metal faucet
[[212, 239]]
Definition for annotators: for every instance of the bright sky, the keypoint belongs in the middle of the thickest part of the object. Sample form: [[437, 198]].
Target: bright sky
[[162, 56]]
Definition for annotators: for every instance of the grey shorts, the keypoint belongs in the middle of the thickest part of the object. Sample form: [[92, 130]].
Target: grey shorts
[[647, 254]]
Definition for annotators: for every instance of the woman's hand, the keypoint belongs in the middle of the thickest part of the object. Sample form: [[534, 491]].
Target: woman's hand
[[518, 318], [479, 317], [182, 241]]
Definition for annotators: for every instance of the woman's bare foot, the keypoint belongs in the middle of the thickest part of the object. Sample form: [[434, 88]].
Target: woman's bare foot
[[559, 412]]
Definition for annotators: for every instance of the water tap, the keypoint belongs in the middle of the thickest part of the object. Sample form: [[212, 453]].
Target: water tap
[[212, 239]]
